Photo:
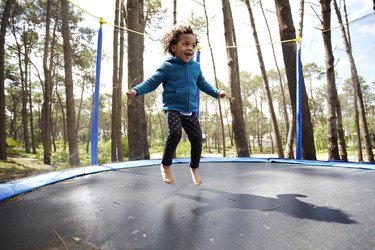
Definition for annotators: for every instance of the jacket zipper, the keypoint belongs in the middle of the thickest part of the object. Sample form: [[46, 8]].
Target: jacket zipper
[[187, 86]]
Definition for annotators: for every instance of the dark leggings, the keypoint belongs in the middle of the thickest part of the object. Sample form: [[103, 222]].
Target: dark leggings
[[176, 122]]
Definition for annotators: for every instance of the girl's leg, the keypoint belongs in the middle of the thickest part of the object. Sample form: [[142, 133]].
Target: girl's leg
[[196, 176], [173, 138], [166, 174], [194, 132]]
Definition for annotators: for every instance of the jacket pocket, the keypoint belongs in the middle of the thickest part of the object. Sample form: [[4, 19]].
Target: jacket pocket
[[181, 97]]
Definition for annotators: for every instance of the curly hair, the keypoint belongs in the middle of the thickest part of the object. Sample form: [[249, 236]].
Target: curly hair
[[173, 35]]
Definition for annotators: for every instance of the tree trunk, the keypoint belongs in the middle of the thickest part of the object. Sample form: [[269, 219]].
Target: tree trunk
[[261, 128], [13, 117], [216, 80], [114, 83], [47, 93], [69, 87], [340, 129], [63, 118], [230, 130], [80, 106], [287, 32], [4, 23], [275, 127], [23, 77], [333, 152], [25, 96], [238, 123], [31, 117], [174, 12], [357, 128], [285, 110], [257, 122], [340, 132], [357, 87], [120, 153], [137, 130], [116, 147], [289, 152]]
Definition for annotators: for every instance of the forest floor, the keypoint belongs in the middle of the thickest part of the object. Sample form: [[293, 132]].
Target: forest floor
[[17, 167], [21, 166]]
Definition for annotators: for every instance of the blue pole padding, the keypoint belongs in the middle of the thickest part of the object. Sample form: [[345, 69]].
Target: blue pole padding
[[95, 113], [198, 56], [299, 106], [198, 60]]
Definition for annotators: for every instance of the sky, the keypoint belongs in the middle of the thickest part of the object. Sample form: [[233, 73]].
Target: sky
[[360, 12]]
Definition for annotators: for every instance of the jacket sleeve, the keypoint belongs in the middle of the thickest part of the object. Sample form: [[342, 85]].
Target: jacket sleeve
[[152, 82], [207, 88]]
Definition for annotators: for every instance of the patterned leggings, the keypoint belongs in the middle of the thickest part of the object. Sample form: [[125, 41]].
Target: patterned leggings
[[176, 122]]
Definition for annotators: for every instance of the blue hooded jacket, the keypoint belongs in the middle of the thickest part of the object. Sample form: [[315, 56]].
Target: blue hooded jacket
[[180, 83]]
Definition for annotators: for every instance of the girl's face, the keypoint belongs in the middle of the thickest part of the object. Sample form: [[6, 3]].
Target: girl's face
[[185, 47]]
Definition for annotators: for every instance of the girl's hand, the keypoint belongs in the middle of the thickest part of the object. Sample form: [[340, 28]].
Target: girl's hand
[[222, 94], [131, 93]]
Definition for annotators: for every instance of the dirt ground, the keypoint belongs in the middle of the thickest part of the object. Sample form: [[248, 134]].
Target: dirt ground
[[19, 167]]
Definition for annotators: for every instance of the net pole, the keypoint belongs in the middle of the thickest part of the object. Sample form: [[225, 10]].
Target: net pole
[[299, 105], [95, 113], [198, 60]]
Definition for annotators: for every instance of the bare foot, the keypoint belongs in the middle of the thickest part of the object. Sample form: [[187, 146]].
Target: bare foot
[[166, 173], [196, 176]]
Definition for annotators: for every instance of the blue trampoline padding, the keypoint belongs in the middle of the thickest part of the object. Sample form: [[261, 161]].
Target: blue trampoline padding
[[13, 188], [10, 189], [366, 165]]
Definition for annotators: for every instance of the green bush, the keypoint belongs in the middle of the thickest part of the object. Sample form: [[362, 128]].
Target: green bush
[[183, 149], [104, 152], [11, 143]]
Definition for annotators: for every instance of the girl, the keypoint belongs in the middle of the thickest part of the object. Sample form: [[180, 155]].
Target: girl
[[181, 78]]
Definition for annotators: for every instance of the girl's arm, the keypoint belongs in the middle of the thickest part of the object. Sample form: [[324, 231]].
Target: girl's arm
[[150, 84]]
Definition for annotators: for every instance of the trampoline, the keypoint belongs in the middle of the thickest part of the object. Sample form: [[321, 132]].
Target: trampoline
[[243, 204]]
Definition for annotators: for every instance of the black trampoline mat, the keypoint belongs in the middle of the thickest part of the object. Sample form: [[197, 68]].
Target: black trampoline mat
[[239, 206]]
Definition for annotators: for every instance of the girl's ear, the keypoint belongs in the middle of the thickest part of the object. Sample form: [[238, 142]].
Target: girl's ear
[[173, 48]]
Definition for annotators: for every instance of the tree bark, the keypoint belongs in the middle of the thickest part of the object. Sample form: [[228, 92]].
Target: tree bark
[[340, 129], [332, 146], [357, 128], [47, 93], [238, 123], [120, 153], [137, 125], [4, 23], [340, 132], [31, 117], [174, 12], [116, 101], [25, 96], [114, 83], [69, 87]]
